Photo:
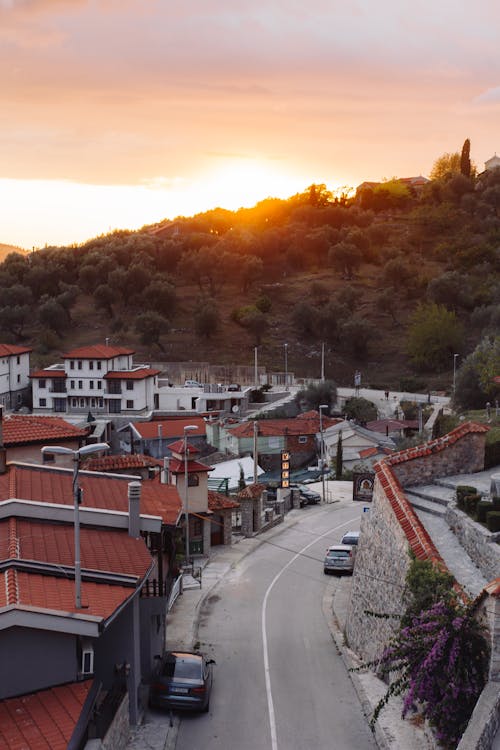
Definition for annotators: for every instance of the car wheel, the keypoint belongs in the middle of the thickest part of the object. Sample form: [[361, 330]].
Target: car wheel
[[207, 707], [325, 571]]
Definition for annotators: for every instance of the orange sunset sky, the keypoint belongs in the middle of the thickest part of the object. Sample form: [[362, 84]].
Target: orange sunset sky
[[120, 113]]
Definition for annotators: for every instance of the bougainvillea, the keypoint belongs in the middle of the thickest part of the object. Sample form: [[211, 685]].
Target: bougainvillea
[[439, 663]]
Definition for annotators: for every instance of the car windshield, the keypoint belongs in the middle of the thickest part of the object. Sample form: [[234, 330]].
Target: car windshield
[[338, 553], [182, 666]]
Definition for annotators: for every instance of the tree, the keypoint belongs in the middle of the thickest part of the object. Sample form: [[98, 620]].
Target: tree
[[52, 314], [256, 323], [206, 318], [345, 257], [475, 384], [339, 458], [150, 326], [445, 166], [434, 335], [361, 410], [316, 394], [465, 166], [356, 334]]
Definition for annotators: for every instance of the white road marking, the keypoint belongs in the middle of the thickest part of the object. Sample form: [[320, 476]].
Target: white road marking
[[270, 702]]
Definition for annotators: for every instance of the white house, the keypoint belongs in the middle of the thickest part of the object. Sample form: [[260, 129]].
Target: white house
[[207, 398], [14, 375], [100, 379], [492, 163], [360, 447]]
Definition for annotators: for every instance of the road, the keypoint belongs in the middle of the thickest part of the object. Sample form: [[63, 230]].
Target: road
[[279, 682]]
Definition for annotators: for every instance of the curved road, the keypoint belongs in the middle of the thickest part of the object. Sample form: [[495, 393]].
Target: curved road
[[279, 683]]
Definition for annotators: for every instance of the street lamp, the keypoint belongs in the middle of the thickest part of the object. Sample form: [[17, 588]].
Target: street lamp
[[286, 366], [454, 370], [322, 451], [187, 428], [76, 454]]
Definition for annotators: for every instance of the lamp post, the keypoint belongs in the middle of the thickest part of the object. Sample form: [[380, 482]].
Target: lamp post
[[454, 371], [256, 371], [286, 366], [76, 454], [322, 450], [187, 428]]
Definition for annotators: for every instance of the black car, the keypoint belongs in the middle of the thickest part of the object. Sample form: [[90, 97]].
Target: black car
[[183, 681], [307, 496]]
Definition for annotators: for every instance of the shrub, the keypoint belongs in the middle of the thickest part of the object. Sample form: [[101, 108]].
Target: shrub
[[471, 502], [462, 491], [482, 509], [493, 520]]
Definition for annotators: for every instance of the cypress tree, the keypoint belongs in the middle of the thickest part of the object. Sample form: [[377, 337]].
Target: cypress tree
[[465, 159]]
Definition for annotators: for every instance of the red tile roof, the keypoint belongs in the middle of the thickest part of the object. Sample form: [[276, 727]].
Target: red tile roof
[[177, 466], [181, 447], [27, 428], [140, 374], [418, 538], [252, 490], [170, 428], [48, 485], [393, 425], [48, 374], [7, 350], [106, 550], [19, 588], [217, 501], [304, 424], [437, 445], [44, 720], [128, 461], [98, 351]]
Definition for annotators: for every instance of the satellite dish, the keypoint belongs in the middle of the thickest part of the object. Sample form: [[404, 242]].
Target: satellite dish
[[235, 409]]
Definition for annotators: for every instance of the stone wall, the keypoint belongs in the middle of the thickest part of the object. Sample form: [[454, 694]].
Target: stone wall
[[382, 560], [480, 544], [440, 458]]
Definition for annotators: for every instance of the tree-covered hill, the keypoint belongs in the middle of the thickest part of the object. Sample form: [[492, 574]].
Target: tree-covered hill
[[391, 282]]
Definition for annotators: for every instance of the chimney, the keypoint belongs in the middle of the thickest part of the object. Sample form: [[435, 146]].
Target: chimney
[[3, 451], [134, 509], [165, 473]]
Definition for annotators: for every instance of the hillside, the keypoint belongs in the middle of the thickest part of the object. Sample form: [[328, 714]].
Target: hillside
[[6, 249], [305, 271]]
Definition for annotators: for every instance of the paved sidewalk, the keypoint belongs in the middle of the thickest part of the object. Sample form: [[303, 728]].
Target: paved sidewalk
[[182, 632]]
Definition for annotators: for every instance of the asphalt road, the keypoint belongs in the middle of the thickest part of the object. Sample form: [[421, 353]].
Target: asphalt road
[[279, 683]]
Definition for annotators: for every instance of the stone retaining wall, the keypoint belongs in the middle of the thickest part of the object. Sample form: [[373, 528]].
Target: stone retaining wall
[[480, 544]]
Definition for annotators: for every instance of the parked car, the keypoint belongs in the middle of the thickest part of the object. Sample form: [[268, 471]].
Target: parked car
[[307, 495], [339, 557], [192, 384], [234, 387], [350, 537], [183, 681]]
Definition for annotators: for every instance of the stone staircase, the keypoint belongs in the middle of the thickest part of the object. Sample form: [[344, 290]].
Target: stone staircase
[[431, 498]]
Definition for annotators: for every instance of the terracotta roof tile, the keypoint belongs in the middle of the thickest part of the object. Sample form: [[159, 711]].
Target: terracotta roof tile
[[98, 351], [439, 444], [218, 501], [105, 550], [252, 491], [48, 485], [7, 350], [304, 424], [126, 461], [170, 428], [27, 428], [48, 374], [44, 720], [139, 374]]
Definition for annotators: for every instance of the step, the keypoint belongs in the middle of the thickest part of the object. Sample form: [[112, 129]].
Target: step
[[433, 493], [426, 505]]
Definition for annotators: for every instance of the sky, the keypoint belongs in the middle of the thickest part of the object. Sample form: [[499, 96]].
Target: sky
[[116, 114]]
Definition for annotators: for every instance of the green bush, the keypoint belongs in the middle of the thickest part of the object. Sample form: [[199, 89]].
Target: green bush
[[482, 509], [471, 503], [462, 491], [493, 520]]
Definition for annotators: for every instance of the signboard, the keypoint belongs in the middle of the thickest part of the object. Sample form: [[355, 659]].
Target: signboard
[[285, 469], [362, 485]]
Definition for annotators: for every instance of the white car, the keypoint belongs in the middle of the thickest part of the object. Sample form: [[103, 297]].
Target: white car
[[192, 384]]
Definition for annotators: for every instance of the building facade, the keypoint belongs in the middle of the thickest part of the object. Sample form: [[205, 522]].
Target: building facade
[[14, 375]]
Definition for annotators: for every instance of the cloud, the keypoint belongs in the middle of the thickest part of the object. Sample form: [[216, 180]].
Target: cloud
[[490, 96]]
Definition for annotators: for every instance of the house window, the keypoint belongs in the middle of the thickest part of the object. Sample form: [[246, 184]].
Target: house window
[[130, 385], [193, 480], [43, 383], [18, 360], [18, 378], [72, 384], [100, 403], [302, 439], [72, 364], [91, 385], [130, 404], [98, 365], [79, 364], [74, 403], [59, 404], [197, 527], [91, 365], [43, 402], [99, 385], [82, 403], [80, 385], [93, 403], [115, 407]]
